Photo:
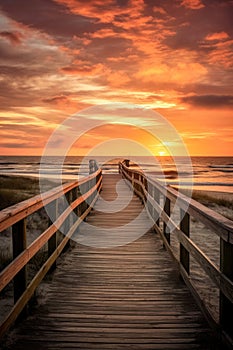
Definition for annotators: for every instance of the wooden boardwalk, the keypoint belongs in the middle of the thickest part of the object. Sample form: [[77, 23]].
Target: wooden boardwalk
[[125, 297]]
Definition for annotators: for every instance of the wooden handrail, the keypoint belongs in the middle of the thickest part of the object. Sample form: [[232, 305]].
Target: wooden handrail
[[19, 211], [150, 191], [14, 216]]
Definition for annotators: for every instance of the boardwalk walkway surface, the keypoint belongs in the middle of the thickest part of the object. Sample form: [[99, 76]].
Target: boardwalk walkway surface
[[126, 297]]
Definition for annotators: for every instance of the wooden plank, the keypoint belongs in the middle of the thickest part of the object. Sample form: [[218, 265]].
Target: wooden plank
[[127, 297]]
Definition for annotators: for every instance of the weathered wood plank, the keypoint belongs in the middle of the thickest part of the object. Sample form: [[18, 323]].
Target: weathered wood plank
[[127, 297]]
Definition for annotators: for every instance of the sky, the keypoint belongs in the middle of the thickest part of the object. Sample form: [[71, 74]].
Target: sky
[[60, 57]]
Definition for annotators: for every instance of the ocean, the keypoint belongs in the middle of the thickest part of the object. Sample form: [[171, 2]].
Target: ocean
[[206, 173]]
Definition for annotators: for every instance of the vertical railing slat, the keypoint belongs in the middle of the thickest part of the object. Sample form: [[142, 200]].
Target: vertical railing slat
[[19, 242], [185, 228], [52, 242], [167, 210], [157, 199]]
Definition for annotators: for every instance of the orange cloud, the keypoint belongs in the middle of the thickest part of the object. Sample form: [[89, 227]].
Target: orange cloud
[[220, 53], [217, 36], [105, 12], [193, 4], [159, 10], [83, 69], [104, 33], [176, 71]]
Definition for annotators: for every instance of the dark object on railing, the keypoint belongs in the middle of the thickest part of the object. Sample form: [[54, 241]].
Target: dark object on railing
[[80, 196], [126, 162], [93, 167], [151, 192]]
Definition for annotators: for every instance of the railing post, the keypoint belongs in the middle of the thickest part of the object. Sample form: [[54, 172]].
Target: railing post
[[93, 167], [68, 221], [70, 200], [132, 181], [226, 266], [19, 241], [52, 242], [185, 228], [157, 199], [84, 205], [167, 210], [76, 195]]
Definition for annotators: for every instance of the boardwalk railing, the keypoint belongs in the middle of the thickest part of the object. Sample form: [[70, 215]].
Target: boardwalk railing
[[80, 197], [158, 200]]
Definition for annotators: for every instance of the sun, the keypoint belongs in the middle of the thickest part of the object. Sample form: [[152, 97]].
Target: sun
[[162, 153]]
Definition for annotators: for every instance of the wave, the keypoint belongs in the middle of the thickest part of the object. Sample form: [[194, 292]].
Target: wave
[[203, 183], [223, 170], [219, 166]]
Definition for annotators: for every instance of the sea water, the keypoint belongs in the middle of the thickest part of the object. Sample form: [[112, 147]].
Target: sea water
[[206, 173]]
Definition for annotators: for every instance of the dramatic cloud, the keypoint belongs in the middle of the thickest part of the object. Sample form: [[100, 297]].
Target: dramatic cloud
[[193, 4], [13, 37], [217, 36], [59, 56], [210, 101]]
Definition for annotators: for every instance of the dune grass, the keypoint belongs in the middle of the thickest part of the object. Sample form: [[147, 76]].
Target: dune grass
[[206, 199], [15, 189]]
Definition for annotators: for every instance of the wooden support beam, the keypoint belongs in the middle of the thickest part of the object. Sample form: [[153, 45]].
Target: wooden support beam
[[157, 199], [185, 228], [52, 242], [19, 241], [167, 209]]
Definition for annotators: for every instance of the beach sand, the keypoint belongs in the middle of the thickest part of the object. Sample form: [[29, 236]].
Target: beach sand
[[206, 240]]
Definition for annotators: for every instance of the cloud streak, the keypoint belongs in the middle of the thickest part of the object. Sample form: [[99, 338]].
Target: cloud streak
[[210, 101]]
